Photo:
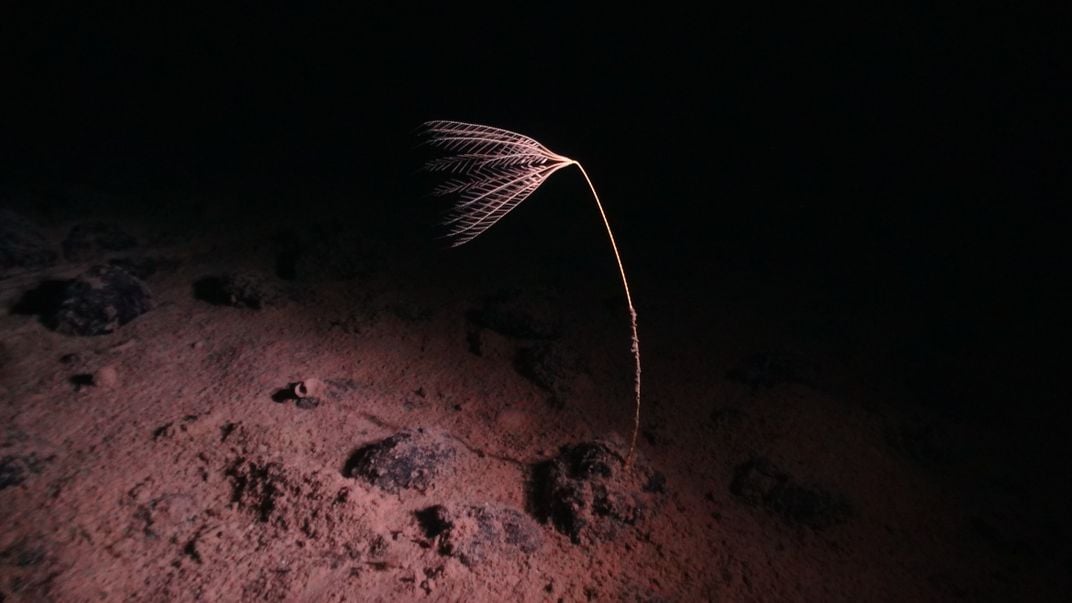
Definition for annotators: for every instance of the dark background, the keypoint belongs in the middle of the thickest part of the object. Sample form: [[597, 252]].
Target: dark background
[[894, 181], [912, 158]]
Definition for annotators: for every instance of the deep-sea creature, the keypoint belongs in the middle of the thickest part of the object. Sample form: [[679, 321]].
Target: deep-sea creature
[[491, 171]]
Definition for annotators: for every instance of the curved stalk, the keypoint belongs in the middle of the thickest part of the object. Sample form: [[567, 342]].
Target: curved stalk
[[632, 314], [492, 171]]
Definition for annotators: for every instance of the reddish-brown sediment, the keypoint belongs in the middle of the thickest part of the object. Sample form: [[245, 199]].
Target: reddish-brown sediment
[[171, 460]]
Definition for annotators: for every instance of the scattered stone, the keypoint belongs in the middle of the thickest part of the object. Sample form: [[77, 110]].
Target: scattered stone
[[97, 302], [308, 388], [587, 493], [12, 472], [760, 483], [106, 377], [15, 468], [550, 368], [406, 460], [307, 394], [23, 554], [239, 289], [769, 369], [474, 533], [93, 238], [29, 569], [22, 245]]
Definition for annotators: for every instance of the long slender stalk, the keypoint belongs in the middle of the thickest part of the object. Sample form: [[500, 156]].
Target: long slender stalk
[[491, 171], [632, 315]]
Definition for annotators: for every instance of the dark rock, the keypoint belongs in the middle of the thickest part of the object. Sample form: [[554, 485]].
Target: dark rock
[[29, 569], [97, 302], [307, 403], [768, 369], [14, 469], [510, 315], [548, 367], [238, 289], [760, 483], [23, 553], [22, 245], [92, 238], [588, 494], [406, 460], [12, 472], [474, 533]]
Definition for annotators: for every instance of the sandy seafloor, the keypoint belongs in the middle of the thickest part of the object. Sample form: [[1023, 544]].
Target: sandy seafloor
[[807, 447]]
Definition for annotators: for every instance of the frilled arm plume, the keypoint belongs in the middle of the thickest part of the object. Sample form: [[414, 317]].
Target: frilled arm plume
[[490, 171]]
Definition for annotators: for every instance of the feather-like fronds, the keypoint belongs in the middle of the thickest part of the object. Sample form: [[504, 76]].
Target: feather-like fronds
[[489, 170]]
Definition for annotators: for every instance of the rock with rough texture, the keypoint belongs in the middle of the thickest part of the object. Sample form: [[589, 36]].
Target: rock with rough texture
[[22, 245], [588, 494], [98, 302], [406, 460], [474, 533]]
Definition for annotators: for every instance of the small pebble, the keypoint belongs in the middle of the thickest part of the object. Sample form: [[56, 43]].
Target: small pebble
[[106, 377], [310, 388]]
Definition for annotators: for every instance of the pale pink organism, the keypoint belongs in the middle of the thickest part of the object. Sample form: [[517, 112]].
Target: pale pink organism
[[491, 171]]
